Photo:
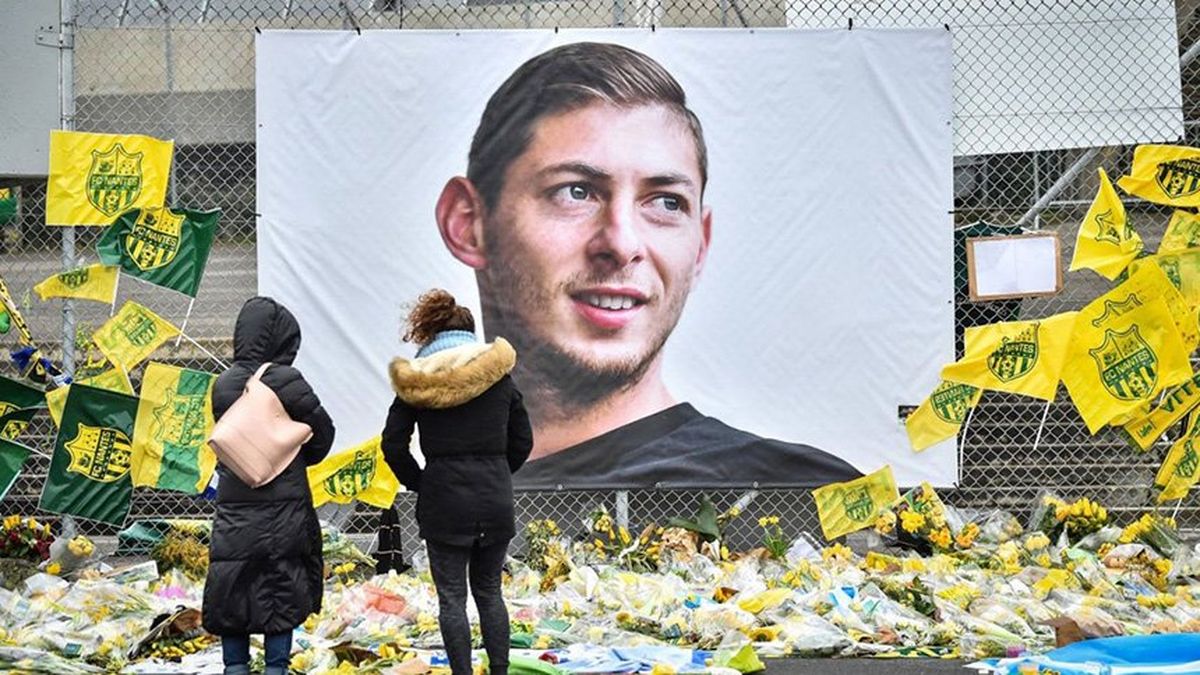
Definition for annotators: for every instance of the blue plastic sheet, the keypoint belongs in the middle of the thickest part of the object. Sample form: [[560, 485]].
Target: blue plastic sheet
[[1130, 655]]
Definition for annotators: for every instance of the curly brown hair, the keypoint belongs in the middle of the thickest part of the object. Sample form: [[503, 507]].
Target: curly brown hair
[[436, 311]]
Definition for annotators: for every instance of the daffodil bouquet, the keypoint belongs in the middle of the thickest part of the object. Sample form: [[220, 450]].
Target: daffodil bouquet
[[923, 516], [610, 541]]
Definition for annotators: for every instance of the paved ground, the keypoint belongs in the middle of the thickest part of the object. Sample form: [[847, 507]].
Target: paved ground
[[866, 666]]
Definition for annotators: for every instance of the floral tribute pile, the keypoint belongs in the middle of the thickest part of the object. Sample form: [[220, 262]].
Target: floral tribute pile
[[661, 598]]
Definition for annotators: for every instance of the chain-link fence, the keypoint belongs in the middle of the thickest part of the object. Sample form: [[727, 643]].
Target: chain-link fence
[[184, 69]]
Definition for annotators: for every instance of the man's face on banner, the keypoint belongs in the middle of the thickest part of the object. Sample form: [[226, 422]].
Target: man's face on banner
[[597, 237]]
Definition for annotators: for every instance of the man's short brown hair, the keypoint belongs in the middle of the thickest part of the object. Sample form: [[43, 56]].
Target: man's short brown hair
[[561, 80]]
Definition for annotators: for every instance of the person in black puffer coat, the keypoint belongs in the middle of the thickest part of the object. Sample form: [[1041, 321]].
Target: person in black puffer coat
[[265, 572], [474, 434]]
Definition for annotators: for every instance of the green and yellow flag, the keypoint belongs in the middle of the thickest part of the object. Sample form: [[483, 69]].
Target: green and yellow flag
[[170, 437], [161, 246], [356, 473], [853, 505], [1021, 357], [1164, 174], [18, 404], [1125, 349], [113, 379], [941, 414], [1181, 466], [132, 334], [1106, 243], [1144, 430], [94, 282], [89, 471], [95, 177], [1182, 232]]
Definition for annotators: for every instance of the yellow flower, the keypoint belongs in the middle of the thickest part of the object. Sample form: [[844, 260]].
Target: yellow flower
[[53, 568], [966, 537], [1043, 560], [885, 523], [625, 538], [911, 521], [1036, 541], [913, 565], [763, 633], [1162, 566], [836, 552], [940, 537], [937, 517]]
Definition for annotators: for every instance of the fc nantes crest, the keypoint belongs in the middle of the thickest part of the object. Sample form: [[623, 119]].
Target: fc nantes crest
[[138, 329], [180, 420], [1107, 230], [951, 401], [154, 240], [1179, 178], [14, 427], [353, 478], [1128, 366], [115, 179], [858, 504], [1015, 356], [75, 278], [1188, 463], [99, 453]]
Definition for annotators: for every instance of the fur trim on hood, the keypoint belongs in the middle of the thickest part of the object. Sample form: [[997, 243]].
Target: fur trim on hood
[[452, 377]]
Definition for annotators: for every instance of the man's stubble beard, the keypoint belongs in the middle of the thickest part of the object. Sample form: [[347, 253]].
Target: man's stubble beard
[[559, 385]]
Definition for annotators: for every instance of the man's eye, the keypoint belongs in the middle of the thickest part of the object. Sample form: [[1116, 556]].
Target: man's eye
[[670, 202], [578, 192]]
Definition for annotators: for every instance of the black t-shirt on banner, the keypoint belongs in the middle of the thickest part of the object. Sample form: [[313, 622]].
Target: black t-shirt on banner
[[681, 448]]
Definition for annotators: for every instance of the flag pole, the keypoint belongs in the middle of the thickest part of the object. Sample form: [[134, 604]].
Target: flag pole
[[1045, 413], [116, 288], [962, 438], [199, 346], [183, 326]]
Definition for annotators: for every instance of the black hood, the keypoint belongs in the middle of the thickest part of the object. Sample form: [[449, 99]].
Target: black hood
[[265, 331]]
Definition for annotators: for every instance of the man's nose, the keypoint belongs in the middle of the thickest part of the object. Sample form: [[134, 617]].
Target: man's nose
[[617, 241]]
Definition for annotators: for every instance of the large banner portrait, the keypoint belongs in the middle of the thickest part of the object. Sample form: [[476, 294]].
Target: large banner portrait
[[724, 257]]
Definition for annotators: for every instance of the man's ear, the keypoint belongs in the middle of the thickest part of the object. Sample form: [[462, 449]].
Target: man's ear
[[459, 213], [705, 239]]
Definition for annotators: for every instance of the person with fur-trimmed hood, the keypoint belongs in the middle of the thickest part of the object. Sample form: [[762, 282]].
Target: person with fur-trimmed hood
[[474, 434]]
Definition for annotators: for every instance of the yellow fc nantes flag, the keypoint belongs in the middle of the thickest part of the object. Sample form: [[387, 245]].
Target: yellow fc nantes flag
[[1181, 467], [1125, 349], [94, 282], [132, 334], [1182, 232], [357, 473], [1105, 243], [1163, 279], [1021, 357], [941, 415], [848, 507], [95, 177], [1165, 174], [170, 436], [113, 379]]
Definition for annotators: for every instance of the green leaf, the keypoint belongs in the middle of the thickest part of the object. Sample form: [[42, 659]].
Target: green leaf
[[705, 523]]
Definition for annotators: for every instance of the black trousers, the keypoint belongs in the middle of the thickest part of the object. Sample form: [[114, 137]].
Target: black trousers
[[451, 567], [390, 553]]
